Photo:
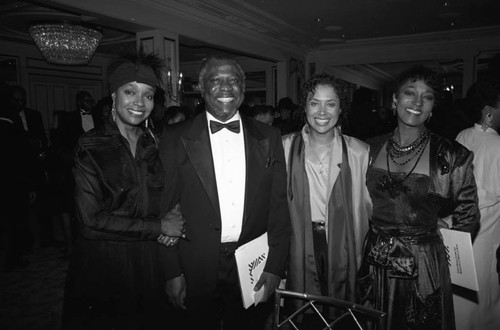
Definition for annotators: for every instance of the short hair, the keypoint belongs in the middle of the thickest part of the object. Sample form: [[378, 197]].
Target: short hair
[[339, 86], [205, 64], [262, 109], [285, 103], [420, 72], [481, 94], [81, 95]]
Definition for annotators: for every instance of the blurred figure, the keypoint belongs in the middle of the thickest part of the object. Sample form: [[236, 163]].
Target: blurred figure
[[481, 310], [30, 122], [287, 122], [176, 114], [58, 165], [16, 184], [83, 118], [264, 114], [102, 109]]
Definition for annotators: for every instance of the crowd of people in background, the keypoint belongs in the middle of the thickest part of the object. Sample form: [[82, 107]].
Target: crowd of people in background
[[339, 161]]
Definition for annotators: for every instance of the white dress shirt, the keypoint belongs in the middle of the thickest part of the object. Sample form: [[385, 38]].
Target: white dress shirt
[[228, 153], [87, 121]]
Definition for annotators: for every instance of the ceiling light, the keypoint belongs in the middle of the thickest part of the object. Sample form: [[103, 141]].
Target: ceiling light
[[318, 20], [66, 43]]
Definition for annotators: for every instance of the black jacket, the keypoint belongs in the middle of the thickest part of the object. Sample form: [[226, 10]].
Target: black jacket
[[117, 196]]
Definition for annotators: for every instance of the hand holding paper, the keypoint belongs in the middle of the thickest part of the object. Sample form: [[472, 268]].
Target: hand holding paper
[[265, 287], [251, 259]]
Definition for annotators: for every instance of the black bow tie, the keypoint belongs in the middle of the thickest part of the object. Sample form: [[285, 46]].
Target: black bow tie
[[233, 126], [84, 113]]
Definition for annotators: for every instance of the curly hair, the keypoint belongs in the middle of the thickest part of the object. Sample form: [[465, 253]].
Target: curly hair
[[339, 86], [420, 72]]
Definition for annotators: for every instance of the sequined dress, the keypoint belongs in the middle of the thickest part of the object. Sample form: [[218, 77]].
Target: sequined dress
[[404, 271]]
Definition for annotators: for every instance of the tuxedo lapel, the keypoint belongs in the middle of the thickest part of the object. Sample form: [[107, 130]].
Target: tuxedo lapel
[[258, 158], [197, 145]]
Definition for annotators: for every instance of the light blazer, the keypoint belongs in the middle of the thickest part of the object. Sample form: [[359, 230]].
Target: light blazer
[[186, 155]]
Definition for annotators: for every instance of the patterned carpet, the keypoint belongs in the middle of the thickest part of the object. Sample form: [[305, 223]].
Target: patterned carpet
[[31, 298]]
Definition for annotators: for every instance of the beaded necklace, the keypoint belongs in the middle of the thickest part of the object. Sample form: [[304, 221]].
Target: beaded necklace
[[395, 151], [395, 187]]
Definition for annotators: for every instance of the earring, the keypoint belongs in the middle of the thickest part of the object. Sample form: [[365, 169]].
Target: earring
[[429, 118], [146, 123], [113, 112], [394, 107]]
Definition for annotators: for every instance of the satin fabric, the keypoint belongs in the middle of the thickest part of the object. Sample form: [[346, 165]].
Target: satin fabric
[[347, 217]]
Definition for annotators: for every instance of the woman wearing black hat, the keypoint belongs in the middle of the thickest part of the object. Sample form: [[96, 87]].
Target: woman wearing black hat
[[116, 276]]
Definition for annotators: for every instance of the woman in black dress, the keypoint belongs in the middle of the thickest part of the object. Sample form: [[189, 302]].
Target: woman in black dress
[[116, 275], [415, 179]]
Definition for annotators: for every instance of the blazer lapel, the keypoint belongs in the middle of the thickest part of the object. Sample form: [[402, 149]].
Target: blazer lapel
[[197, 145], [258, 157]]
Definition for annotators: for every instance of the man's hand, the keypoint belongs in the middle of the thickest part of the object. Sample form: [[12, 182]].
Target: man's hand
[[176, 291], [173, 223], [270, 283]]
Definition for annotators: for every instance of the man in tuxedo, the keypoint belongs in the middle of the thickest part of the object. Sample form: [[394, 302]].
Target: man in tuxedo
[[29, 120], [84, 118], [228, 173]]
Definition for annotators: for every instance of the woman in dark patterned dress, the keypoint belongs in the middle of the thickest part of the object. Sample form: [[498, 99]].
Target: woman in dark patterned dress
[[419, 182]]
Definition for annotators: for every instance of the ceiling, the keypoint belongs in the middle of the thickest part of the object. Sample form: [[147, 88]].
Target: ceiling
[[337, 21], [308, 25]]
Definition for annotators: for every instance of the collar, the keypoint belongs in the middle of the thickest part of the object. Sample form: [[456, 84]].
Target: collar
[[489, 130], [335, 157], [235, 117]]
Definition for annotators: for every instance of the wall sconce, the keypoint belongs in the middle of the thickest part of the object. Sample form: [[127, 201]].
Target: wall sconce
[[175, 89], [65, 43]]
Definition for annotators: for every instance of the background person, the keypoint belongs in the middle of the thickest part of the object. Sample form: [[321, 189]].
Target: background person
[[231, 184], [481, 310], [116, 276], [327, 195], [415, 178]]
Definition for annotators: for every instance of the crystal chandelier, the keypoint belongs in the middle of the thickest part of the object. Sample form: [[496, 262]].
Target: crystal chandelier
[[66, 43]]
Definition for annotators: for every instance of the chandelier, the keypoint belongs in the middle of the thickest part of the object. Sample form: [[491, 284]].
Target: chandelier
[[65, 43]]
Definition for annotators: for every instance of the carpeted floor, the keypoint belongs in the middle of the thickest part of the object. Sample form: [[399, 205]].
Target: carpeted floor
[[31, 297]]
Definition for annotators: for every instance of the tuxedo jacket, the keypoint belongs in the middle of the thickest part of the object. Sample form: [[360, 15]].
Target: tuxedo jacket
[[186, 155]]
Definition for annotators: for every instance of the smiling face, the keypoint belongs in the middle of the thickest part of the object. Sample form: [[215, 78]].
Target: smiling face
[[323, 110], [223, 89], [414, 103], [134, 103]]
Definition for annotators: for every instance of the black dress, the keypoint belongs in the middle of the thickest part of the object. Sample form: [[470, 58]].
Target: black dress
[[405, 257], [116, 276]]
